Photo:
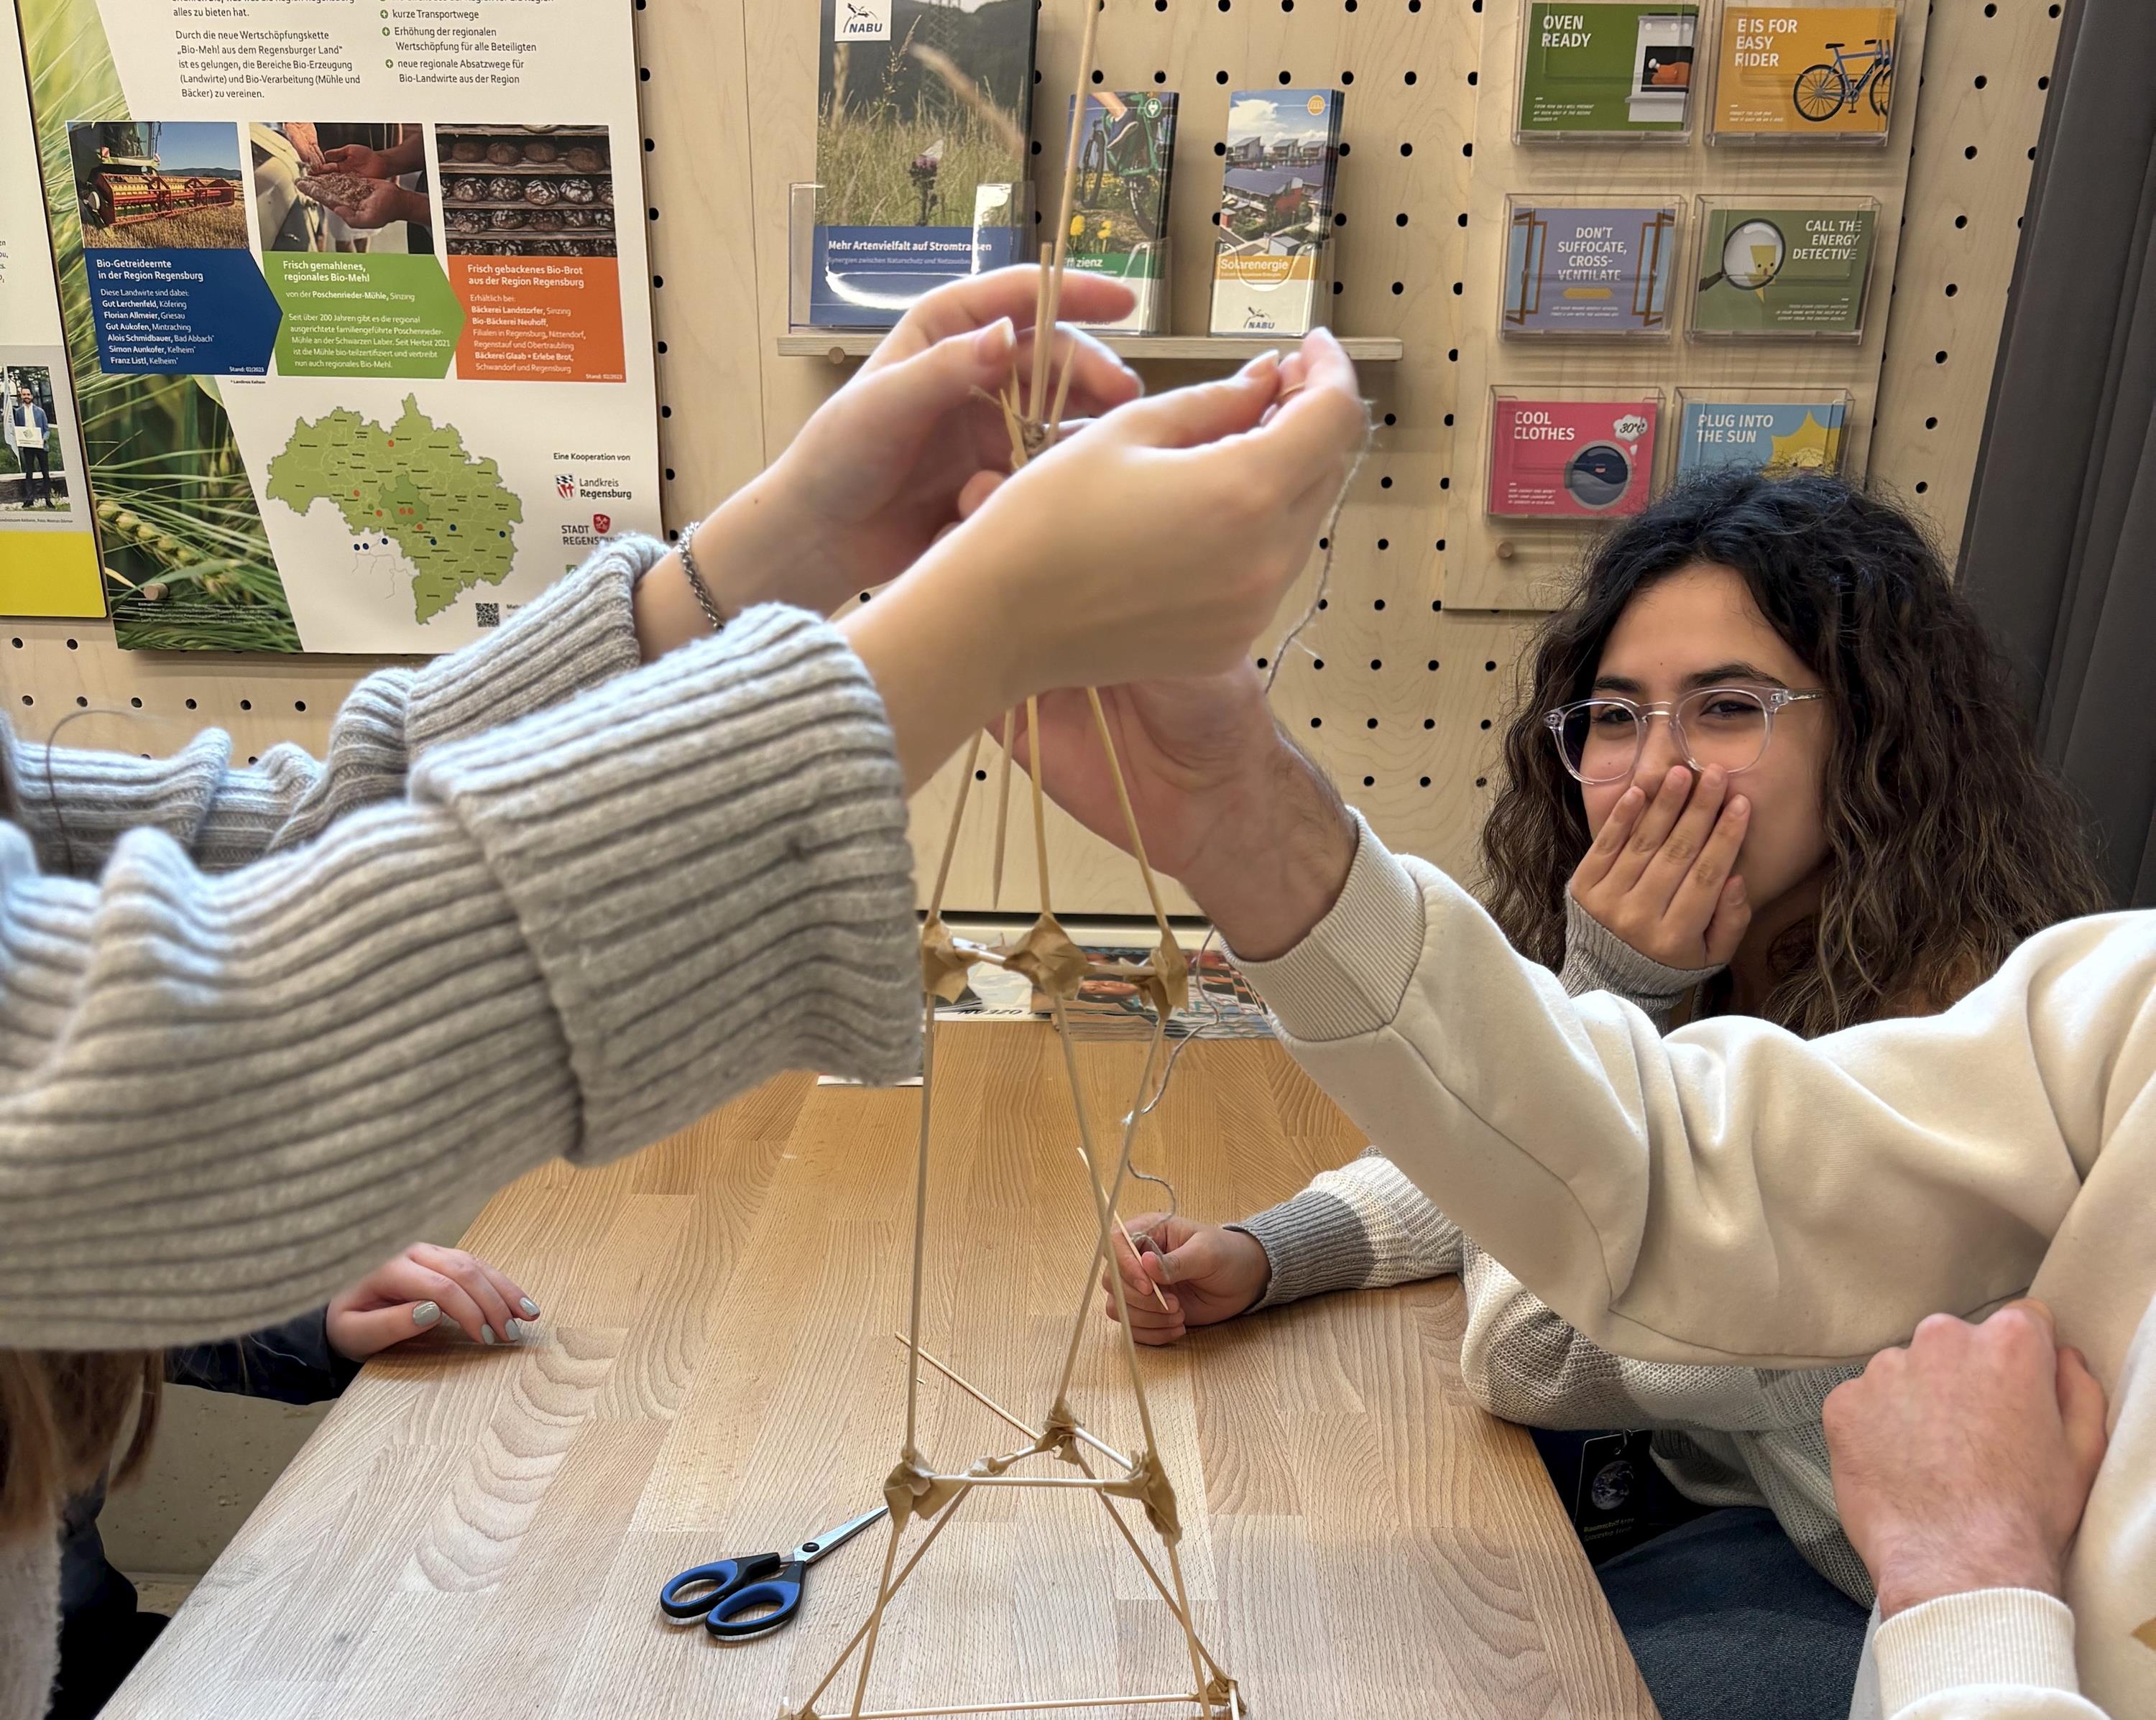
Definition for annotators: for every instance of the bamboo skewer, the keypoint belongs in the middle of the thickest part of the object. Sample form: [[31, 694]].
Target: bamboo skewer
[[1130, 817], [994, 1408], [958, 815], [1002, 808]]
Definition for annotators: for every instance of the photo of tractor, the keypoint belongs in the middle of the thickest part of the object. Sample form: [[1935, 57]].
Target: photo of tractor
[[150, 185]]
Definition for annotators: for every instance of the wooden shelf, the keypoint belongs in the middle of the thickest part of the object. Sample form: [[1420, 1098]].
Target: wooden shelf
[[840, 345]]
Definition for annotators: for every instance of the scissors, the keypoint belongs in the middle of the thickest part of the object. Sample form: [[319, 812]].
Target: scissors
[[728, 1588]]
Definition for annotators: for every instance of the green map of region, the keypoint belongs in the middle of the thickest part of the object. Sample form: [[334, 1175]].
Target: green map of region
[[412, 483]]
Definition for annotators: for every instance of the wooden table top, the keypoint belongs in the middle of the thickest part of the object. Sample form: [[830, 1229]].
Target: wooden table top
[[484, 1531]]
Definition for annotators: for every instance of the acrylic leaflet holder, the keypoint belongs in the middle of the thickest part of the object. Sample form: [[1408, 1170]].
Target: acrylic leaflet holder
[[1802, 74], [1605, 69], [1286, 295], [1774, 430], [1590, 271], [1569, 457], [1783, 269]]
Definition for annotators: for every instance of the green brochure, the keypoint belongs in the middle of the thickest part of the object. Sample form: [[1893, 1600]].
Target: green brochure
[[1588, 66], [1784, 271]]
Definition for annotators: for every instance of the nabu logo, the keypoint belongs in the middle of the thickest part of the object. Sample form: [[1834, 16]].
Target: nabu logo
[[864, 20]]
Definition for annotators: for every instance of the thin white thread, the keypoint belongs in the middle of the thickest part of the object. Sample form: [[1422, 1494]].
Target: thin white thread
[[1291, 640]]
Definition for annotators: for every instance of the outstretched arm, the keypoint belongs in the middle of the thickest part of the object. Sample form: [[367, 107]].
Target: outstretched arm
[[1730, 1193]]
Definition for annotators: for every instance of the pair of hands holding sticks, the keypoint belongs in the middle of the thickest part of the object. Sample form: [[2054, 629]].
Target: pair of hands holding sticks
[[1156, 538]]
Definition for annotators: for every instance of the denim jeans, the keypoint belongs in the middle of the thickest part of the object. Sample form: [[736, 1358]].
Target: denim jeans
[[1727, 1622]]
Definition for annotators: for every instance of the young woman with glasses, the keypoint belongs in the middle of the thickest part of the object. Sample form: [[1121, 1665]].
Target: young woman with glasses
[[1881, 836]]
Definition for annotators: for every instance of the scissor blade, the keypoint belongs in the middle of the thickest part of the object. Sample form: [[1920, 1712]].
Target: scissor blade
[[808, 1552]]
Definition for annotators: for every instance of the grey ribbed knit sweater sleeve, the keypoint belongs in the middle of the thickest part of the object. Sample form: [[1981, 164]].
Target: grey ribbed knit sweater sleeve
[[257, 1025], [75, 806], [1365, 1225]]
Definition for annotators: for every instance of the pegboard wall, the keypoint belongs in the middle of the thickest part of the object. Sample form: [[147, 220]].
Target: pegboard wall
[[1401, 686]]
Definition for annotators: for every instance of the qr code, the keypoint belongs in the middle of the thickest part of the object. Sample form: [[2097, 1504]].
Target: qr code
[[486, 615]]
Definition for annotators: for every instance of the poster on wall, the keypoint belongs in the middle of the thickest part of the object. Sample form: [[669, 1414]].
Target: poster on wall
[[355, 306], [1576, 270], [1804, 71], [1783, 270], [1571, 459], [923, 113], [1590, 66], [48, 555], [1794, 430]]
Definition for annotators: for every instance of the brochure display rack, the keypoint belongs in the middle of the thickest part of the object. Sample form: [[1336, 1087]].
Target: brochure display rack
[[1778, 249]]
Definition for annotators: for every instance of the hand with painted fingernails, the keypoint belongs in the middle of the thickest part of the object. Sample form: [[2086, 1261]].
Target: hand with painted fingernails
[[1205, 1272], [416, 1291], [911, 443], [1660, 873]]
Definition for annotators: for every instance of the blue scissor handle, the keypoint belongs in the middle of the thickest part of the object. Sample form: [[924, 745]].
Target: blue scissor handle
[[715, 1583], [781, 1591]]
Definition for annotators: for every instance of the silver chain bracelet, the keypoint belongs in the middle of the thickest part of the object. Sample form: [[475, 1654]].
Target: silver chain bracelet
[[703, 592]]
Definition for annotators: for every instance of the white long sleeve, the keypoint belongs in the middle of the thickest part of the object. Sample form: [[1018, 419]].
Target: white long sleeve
[[1733, 1194]]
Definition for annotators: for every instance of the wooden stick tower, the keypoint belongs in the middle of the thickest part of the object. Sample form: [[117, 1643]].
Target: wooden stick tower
[[917, 1489]]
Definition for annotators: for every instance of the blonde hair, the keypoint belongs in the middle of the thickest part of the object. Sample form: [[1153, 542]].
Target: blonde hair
[[62, 1417], [63, 1413]]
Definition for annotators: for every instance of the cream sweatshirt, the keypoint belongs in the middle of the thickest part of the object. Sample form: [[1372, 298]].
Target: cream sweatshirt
[[1722, 1435], [1733, 1194]]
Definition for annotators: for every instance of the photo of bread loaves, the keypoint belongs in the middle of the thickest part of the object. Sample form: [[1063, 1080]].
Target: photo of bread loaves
[[541, 191]]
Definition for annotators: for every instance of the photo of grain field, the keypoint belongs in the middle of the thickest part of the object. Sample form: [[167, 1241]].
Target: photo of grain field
[[907, 128], [187, 561]]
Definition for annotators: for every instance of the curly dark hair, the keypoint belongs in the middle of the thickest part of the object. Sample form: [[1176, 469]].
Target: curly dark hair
[[1949, 842]]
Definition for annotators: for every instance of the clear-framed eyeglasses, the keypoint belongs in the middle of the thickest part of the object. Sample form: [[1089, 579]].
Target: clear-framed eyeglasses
[[1601, 739]]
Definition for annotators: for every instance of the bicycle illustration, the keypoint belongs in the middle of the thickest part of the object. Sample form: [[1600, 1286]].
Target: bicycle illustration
[[1124, 142], [1824, 90]]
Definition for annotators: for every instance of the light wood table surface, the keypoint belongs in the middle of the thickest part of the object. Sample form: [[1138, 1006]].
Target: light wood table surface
[[477, 1532]]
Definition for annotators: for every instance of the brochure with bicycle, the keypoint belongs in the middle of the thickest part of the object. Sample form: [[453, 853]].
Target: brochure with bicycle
[[1804, 71], [1119, 218], [1268, 273]]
